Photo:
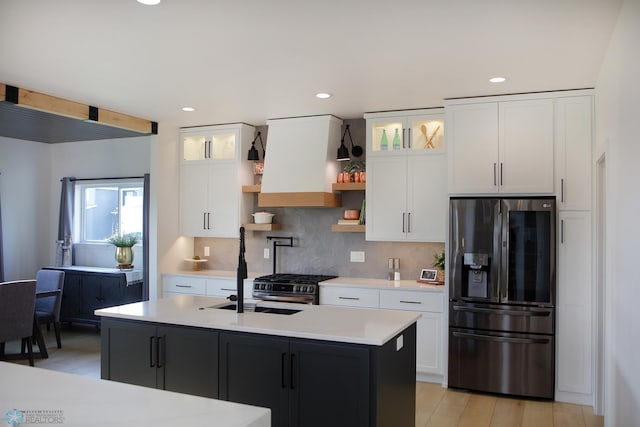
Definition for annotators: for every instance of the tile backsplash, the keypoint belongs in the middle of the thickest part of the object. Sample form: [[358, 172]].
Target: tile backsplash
[[316, 249]]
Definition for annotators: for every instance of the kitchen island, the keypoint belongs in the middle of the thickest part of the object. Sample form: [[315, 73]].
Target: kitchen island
[[320, 366]]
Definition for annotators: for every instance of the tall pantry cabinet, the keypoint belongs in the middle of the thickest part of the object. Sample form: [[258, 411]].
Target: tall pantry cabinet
[[574, 306]]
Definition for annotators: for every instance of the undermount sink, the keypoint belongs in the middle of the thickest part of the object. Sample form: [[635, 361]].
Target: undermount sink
[[258, 309]]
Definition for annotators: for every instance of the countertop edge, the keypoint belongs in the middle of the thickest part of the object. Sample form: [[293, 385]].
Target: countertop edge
[[227, 321]]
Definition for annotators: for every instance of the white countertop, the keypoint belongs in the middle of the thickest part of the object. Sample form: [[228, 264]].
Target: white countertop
[[329, 323], [81, 401], [361, 282], [406, 285]]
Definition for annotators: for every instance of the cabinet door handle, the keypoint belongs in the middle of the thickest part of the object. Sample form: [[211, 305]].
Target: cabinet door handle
[[284, 356], [403, 139], [204, 220], [562, 231], [293, 363], [409, 222], [183, 286], [227, 289], [411, 302], [562, 190], [403, 219], [160, 354], [494, 174], [501, 182], [208, 220], [350, 298], [151, 355]]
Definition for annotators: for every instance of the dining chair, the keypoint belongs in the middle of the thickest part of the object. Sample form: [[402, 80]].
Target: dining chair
[[17, 305], [49, 287]]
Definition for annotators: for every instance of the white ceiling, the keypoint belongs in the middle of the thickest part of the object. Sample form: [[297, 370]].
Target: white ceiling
[[251, 60]]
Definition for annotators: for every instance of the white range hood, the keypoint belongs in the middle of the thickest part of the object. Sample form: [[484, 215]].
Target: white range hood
[[301, 164]]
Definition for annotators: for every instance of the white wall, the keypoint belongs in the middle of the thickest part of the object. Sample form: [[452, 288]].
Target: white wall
[[618, 135], [171, 248], [24, 188]]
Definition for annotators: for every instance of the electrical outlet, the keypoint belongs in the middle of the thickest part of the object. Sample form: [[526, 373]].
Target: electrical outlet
[[266, 255], [357, 256], [206, 251]]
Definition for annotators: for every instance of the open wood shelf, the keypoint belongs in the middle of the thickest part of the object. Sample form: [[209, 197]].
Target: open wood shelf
[[262, 227], [340, 228], [251, 188], [348, 186]]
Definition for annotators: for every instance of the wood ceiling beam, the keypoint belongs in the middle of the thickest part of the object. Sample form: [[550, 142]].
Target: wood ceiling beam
[[63, 107]]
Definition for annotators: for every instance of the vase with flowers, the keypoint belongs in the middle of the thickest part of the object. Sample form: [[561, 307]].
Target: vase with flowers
[[124, 252]]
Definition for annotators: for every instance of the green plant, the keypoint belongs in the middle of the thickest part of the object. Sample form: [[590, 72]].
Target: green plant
[[124, 241], [354, 166], [439, 261]]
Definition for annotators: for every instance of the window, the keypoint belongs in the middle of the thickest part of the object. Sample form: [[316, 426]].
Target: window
[[105, 208]]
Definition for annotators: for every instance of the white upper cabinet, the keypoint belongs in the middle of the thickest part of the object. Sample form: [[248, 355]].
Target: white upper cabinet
[[500, 147], [210, 144], [573, 152], [212, 174], [406, 186], [472, 138], [401, 132]]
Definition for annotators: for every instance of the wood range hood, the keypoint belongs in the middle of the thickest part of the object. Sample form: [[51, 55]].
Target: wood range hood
[[35, 116], [301, 165]]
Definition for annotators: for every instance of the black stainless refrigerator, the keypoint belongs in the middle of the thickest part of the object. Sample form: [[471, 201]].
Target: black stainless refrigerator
[[502, 295]]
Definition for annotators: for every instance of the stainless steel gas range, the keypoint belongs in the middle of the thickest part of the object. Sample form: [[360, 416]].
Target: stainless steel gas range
[[300, 288]]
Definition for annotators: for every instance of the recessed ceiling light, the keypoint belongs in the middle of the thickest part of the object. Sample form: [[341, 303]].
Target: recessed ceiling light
[[323, 95], [189, 109], [150, 2], [497, 79]]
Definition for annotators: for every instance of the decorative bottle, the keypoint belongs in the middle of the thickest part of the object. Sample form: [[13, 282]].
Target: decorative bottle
[[396, 140], [384, 144]]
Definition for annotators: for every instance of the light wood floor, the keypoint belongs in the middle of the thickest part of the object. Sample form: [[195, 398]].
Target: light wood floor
[[435, 406], [440, 407]]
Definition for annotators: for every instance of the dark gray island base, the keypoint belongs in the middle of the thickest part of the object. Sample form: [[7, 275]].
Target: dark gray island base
[[305, 382]]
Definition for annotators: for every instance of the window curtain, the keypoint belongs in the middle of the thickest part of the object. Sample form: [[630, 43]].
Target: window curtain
[[65, 220], [145, 237]]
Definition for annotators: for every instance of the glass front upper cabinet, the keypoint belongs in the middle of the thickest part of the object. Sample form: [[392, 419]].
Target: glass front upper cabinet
[[417, 133], [209, 146]]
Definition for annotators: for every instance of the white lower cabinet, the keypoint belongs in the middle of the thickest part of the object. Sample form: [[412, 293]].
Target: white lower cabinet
[[222, 287], [349, 296], [429, 345], [211, 286], [174, 285]]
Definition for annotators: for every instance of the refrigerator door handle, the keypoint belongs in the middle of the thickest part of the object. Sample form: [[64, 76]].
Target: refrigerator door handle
[[498, 311], [501, 339]]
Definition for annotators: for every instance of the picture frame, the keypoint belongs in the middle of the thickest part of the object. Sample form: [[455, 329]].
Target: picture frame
[[428, 275]]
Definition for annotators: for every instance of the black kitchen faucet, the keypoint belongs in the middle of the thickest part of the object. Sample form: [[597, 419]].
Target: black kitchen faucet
[[277, 244]]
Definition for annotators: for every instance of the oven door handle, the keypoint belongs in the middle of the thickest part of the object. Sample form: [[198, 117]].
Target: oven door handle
[[502, 311], [284, 298], [501, 339]]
